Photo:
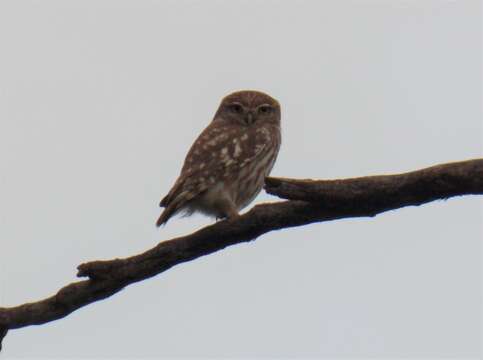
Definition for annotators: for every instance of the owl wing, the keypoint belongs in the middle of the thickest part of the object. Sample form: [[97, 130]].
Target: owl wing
[[217, 153]]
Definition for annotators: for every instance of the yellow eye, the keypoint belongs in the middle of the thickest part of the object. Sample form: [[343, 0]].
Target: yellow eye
[[235, 108], [265, 109]]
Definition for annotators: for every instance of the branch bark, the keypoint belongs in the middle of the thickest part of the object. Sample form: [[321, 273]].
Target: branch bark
[[309, 201]]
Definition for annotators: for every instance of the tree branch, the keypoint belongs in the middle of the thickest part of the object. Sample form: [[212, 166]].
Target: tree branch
[[310, 201], [376, 194]]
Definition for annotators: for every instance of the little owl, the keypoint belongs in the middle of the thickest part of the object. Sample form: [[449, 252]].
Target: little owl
[[226, 167]]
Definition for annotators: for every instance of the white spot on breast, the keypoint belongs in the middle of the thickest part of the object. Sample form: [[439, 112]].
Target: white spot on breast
[[238, 148], [244, 137], [244, 163], [259, 147], [217, 139], [227, 161]]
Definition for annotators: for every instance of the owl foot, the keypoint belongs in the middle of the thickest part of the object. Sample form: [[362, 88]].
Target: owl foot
[[232, 216]]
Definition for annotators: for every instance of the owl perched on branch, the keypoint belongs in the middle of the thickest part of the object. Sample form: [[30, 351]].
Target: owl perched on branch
[[226, 167]]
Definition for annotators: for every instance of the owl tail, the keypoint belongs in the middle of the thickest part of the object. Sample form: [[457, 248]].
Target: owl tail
[[164, 217], [168, 212]]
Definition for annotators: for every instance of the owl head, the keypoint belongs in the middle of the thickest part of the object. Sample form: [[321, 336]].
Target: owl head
[[248, 108]]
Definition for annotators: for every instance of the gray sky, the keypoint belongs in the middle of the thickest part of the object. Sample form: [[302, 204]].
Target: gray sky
[[99, 102]]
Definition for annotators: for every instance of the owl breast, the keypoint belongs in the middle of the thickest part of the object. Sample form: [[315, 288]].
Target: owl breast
[[250, 180], [246, 165], [246, 183]]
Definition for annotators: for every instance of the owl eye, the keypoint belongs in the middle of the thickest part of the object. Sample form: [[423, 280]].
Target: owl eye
[[265, 109], [235, 108]]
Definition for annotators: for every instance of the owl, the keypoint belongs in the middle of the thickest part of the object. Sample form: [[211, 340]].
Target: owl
[[225, 168]]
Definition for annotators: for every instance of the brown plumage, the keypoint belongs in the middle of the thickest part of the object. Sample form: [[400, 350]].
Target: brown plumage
[[226, 166]]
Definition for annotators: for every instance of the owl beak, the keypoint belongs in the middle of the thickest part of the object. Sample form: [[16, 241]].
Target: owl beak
[[249, 118]]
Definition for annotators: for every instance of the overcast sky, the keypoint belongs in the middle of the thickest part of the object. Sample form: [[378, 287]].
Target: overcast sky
[[99, 103]]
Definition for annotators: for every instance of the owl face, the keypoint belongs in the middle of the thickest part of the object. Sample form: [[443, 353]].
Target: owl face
[[248, 108]]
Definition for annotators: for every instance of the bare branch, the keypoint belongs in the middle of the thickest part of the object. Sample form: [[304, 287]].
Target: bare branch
[[377, 193], [311, 201]]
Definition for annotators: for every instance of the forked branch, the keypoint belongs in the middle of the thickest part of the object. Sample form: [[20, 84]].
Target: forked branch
[[309, 201]]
